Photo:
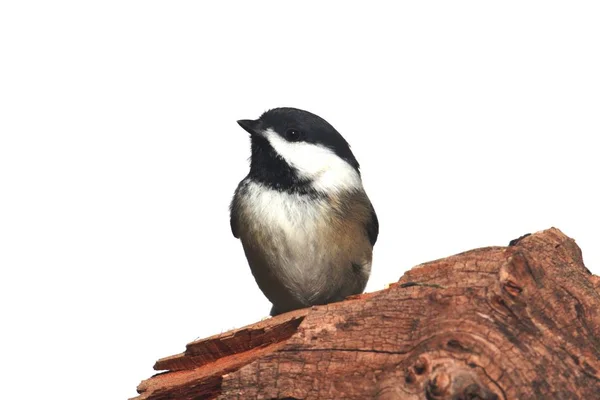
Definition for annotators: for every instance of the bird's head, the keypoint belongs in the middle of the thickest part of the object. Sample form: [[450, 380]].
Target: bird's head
[[294, 149]]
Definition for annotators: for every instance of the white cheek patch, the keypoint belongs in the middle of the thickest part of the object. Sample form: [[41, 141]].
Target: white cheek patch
[[321, 165]]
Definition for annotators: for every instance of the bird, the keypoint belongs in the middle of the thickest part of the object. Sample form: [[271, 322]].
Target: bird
[[305, 222]]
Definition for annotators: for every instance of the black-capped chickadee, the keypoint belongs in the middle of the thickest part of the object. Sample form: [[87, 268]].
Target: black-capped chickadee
[[304, 219]]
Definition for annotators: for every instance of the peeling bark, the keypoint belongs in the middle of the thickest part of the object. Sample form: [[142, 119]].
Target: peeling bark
[[516, 322]]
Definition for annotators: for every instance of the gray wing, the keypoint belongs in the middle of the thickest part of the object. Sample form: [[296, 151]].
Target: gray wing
[[234, 209], [234, 217], [373, 227]]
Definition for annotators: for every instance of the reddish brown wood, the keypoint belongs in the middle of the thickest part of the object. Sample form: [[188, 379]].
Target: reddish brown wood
[[516, 322]]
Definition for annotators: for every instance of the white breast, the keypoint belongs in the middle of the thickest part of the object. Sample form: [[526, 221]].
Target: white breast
[[297, 216], [294, 239], [294, 231]]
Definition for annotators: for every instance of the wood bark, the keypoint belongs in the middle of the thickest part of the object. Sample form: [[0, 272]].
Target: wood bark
[[516, 322]]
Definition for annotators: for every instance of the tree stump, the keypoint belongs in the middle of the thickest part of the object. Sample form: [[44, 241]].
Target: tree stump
[[516, 322]]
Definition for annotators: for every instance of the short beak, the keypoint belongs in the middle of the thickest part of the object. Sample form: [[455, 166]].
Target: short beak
[[250, 126]]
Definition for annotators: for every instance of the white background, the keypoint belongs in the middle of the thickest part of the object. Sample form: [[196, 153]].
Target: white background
[[119, 153]]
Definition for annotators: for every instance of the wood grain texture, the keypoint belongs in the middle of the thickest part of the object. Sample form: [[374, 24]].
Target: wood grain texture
[[516, 322]]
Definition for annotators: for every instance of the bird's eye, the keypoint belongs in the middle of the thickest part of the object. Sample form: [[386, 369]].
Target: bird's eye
[[293, 135]]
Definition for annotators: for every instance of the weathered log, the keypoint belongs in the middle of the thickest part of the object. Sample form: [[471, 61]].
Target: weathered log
[[516, 322]]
